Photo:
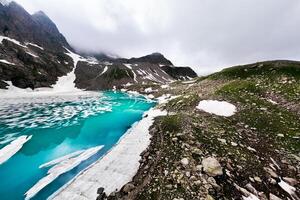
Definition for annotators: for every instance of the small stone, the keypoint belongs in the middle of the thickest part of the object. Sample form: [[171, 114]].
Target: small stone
[[251, 149], [280, 135], [273, 197], [100, 190], [169, 186], [197, 182], [257, 179], [128, 187], [208, 197], [234, 144], [271, 172], [199, 168], [212, 167], [222, 140], [184, 162], [188, 174]]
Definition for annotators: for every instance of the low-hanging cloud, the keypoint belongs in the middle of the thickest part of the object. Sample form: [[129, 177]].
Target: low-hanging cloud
[[204, 34]]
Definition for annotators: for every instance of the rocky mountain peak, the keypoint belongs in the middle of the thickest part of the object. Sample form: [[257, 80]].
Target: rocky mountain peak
[[5, 2], [154, 58]]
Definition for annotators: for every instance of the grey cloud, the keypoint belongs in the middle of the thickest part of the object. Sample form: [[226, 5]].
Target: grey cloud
[[205, 34]]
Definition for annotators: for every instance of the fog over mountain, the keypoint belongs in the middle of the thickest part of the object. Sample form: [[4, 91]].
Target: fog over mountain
[[205, 34]]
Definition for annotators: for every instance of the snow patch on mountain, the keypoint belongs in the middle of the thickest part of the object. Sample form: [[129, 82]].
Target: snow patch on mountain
[[11, 40], [6, 62]]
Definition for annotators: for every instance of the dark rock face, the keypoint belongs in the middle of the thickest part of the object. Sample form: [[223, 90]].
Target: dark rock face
[[109, 75], [17, 23], [179, 73], [155, 58], [31, 66]]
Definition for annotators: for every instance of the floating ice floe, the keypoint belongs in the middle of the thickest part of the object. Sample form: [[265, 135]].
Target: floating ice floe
[[11, 149], [61, 166], [6, 62], [221, 108], [117, 167]]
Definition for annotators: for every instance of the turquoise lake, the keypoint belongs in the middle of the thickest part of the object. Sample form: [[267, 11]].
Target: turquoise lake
[[58, 126]]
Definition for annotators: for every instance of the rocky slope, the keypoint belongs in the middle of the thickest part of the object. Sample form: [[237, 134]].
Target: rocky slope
[[121, 73], [253, 154], [32, 51], [33, 55]]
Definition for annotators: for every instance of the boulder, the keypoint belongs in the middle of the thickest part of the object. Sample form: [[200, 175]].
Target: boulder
[[212, 167]]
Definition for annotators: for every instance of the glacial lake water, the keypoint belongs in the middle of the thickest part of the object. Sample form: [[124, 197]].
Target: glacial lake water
[[50, 128]]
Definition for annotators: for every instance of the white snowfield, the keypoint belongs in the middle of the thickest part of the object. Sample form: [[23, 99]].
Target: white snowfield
[[11, 149], [221, 108], [66, 83], [6, 62], [61, 166], [116, 168]]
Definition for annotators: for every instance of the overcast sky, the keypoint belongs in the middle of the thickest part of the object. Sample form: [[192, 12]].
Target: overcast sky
[[204, 34]]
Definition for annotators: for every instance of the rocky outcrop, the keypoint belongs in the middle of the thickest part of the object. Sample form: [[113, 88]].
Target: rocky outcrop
[[179, 73]]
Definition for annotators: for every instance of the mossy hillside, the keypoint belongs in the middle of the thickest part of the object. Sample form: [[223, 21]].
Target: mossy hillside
[[262, 135]]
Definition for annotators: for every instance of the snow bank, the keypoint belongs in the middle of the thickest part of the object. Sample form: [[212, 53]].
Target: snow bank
[[189, 82], [12, 40], [6, 62], [165, 98], [116, 168], [35, 45], [221, 108], [66, 83], [11, 149], [62, 166], [128, 66], [104, 71]]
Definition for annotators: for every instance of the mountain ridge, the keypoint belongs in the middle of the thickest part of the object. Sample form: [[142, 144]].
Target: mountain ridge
[[34, 54]]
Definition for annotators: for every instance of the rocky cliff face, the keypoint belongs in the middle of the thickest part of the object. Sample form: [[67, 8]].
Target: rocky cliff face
[[32, 52], [33, 55]]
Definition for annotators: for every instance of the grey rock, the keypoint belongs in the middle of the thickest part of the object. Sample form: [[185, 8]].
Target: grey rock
[[212, 167]]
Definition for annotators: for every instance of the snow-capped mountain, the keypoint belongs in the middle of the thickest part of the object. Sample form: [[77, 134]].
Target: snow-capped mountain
[[34, 54]]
